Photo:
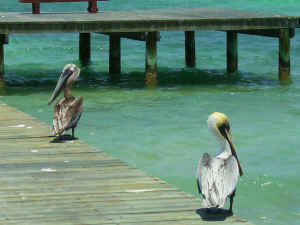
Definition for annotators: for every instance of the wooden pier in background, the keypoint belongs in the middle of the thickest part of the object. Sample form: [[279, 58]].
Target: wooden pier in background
[[73, 183], [146, 25]]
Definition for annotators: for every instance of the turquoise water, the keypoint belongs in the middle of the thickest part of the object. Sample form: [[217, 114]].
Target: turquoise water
[[163, 131]]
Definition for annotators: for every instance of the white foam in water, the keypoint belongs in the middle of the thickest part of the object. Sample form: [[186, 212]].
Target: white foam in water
[[265, 184]]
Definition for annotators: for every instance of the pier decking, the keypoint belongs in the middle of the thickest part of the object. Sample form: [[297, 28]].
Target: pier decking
[[143, 21], [149, 23], [74, 183]]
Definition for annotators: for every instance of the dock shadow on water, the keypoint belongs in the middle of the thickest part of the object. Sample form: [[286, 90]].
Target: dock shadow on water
[[214, 214], [90, 78]]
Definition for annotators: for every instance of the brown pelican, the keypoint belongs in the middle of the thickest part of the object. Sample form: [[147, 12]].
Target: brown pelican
[[68, 110], [217, 177]]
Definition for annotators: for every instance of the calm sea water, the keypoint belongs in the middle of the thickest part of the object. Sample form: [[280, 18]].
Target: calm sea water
[[163, 131]]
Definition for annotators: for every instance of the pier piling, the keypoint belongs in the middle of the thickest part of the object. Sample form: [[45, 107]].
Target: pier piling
[[151, 59], [85, 48], [190, 52], [232, 52], [1, 58], [114, 55], [3, 41], [145, 25], [284, 54]]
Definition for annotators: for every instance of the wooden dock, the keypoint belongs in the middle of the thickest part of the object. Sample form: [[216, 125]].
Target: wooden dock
[[146, 25], [68, 183]]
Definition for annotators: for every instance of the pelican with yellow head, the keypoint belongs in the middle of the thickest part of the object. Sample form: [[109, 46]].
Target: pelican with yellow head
[[217, 177], [68, 109]]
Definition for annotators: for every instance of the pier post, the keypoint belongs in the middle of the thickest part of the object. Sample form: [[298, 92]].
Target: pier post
[[232, 52], [284, 54], [1, 57], [36, 8], [114, 54], [190, 54], [3, 41], [85, 48], [151, 59]]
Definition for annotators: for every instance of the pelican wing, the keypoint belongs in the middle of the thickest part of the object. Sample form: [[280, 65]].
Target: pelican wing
[[67, 113], [230, 176], [204, 173], [217, 179], [73, 113]]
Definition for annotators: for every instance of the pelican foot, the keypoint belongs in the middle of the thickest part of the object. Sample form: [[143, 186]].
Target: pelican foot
[[213, 214], [213, 210], [216, 210], [63, 138]]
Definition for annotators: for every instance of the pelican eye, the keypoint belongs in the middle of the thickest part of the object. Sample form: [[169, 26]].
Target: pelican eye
[[225, 126]]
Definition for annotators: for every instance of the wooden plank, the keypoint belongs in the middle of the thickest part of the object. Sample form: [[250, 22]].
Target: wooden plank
[[91, 196], [140, 217], [267, 33], [73, 183], [144, 21], [138, 36]]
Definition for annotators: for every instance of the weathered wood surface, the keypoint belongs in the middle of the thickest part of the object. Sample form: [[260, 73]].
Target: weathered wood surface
[[284, 63], [232, 51], [1, 55], [138, 36], [151, 60], [275, 33], [3, 41], [144, 21], [74, 183]]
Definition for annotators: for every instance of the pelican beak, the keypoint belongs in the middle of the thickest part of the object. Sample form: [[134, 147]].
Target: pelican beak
[[60, 84], [228, 137]]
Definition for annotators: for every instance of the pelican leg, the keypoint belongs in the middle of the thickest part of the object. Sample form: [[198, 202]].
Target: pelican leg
[[73, 132], [231, 201]]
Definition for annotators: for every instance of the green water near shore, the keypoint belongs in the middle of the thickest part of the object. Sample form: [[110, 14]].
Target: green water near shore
[[163, 131]]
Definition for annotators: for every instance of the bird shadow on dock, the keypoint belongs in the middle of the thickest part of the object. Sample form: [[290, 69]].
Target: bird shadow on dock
[[63, 138], [213, 214], [26, 137]]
